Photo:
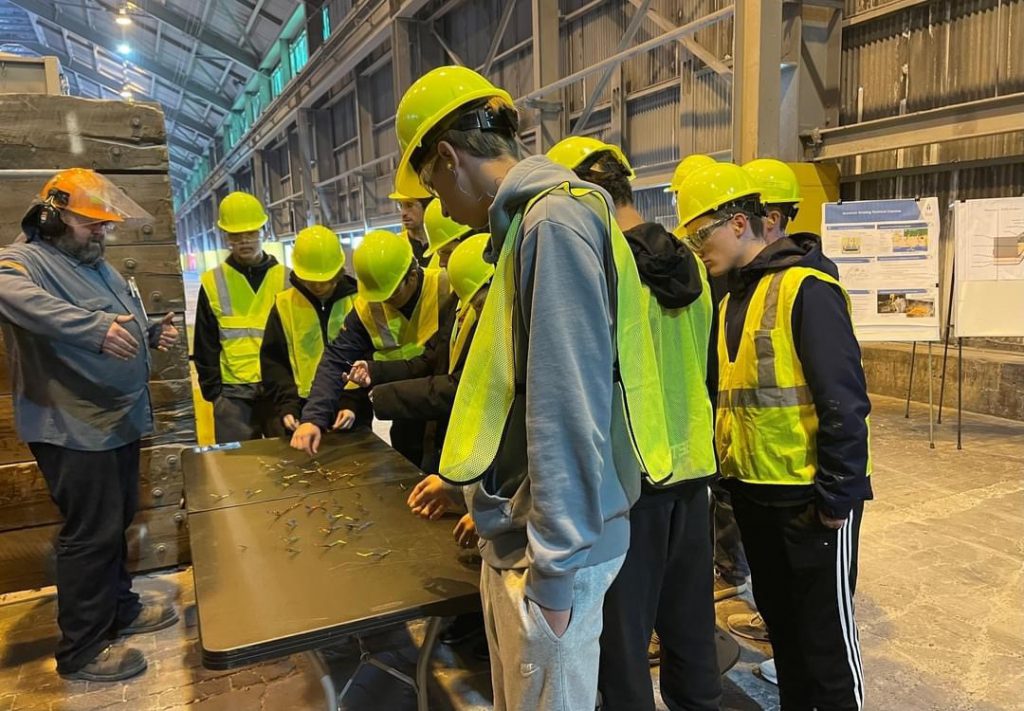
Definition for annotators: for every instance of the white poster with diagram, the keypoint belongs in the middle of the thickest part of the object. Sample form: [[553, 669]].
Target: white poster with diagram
[[887, 252], [989, 267]]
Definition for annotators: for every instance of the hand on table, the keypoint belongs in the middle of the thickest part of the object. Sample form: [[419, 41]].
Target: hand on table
[[429, 499], [465, 532], [344, 420], [306, 438]]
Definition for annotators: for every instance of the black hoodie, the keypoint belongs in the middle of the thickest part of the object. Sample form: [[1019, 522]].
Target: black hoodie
[[275, 363], [206, 341], [831, 360]]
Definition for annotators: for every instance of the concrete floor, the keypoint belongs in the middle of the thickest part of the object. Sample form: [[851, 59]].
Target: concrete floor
[[939, 605]]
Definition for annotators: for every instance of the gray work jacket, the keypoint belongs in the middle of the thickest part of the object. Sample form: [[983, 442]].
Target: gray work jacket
[[55, 312]]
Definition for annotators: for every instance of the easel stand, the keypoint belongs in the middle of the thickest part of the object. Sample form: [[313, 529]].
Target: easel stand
[[910, 385], [959, 366]]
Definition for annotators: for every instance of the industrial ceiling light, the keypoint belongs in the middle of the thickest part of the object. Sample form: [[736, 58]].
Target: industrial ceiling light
[[123, 18], [124, 48], [126, 92]]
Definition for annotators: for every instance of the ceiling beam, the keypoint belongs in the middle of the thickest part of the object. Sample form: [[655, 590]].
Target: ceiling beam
[[182, 144], [52, 14], [213, 40]]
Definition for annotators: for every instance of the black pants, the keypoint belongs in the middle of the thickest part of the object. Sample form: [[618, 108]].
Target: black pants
[[97, 494], [730, 559], [665, 584], [804, 578], [244, 412]]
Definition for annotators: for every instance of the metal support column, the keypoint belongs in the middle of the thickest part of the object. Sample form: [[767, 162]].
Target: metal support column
[[756, 83], [307, 156], [404, 43], [617, 132], [546, 70], [364, 126]]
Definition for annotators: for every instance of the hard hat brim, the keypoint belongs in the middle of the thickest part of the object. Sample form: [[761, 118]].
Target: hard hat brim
[[375, 296], [307, 275], [248, 227], [407, 182]]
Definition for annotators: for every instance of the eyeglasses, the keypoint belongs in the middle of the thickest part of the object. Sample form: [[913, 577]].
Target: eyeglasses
[[697, 239], [105, 226], [243, 237]]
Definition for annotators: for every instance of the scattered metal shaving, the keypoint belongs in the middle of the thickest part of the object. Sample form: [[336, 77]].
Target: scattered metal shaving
[[379, 554], [332, 544]]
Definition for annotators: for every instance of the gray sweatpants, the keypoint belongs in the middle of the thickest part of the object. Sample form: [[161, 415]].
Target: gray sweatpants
[[531, 668]]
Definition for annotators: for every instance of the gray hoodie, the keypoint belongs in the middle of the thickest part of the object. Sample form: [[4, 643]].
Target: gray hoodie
[[558, 496]]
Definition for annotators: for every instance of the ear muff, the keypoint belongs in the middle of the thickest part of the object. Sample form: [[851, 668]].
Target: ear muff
[[44, 219]]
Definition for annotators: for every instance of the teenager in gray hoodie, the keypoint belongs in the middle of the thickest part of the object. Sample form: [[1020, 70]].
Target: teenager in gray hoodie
[[552, 499]]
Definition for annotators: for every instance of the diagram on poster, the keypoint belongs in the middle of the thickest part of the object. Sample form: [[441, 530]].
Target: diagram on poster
[[887, 252], [989, 298]]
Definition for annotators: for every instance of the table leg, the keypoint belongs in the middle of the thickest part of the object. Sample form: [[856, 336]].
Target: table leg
[[316, 659], [423, 663]]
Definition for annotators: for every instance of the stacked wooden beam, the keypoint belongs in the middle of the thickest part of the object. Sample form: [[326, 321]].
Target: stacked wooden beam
[[40, 135]]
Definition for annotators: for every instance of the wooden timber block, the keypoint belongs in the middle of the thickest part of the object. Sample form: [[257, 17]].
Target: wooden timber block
[[172, 412], [54, 132], [158, 538], [151, 192], [25, 500], [171, 364]]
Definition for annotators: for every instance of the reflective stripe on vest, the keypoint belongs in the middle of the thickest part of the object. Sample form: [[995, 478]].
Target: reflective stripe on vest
[[465, 321], [395, 337], [681, 341], [241, 317], [302, 331], [767, 425], [488, 383]]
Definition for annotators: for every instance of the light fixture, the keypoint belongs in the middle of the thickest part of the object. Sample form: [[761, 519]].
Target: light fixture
[[124, 48], [126, 93], [123, 18]]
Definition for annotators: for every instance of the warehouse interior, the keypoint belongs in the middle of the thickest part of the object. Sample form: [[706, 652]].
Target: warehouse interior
[[183, 102]]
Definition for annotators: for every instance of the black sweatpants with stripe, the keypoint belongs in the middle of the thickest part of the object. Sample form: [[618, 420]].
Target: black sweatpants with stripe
[[804, 576]]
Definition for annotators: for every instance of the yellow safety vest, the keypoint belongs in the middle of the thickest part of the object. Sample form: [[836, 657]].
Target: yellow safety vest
[[462, 332], [241, 317], [681, 341], [767, 425], [301, 324], [487, 387], [394, 336]]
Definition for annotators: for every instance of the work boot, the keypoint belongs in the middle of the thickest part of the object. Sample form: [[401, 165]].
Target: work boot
[[749, 626], [153, 617], [654, 650], [112, 664], [725, 589]]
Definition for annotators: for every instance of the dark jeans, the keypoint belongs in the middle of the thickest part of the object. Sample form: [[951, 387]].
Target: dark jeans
[[804, 578], [97, 494], [730, 559], [244, 412], [665, 584]]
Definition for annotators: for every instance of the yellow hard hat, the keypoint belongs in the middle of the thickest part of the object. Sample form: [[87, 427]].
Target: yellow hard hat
[[241, 212], [317, 255], [399, 197], [709, 188], [381, 261], [573, 151], [686, 166], [428, 101], [467, 270], [779, 184], [440, 229]]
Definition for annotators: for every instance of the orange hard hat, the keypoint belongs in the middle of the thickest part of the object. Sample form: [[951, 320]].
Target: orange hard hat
[[91, 195]]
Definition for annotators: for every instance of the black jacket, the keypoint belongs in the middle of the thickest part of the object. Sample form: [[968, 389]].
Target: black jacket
[[669, 269], [275, 362], [831, 359], [206, 341]]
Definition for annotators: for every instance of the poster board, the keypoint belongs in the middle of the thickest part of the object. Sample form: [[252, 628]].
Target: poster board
[[887, 252], [989, 294]]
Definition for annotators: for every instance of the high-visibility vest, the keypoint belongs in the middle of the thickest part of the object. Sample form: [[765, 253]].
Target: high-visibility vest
[[767, 426], [394, 336], [241, 317], [487, 387], [462, 332], [305, 339], [682, 338]]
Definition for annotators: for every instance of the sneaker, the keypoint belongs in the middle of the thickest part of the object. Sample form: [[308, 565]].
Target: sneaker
[[766, 671], [654, 650], [462, 628], [152, 618], [112, 664], [749, 626], [725, 589]]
